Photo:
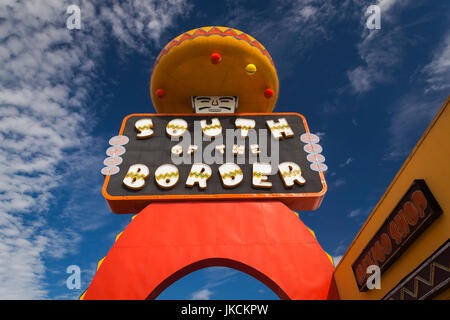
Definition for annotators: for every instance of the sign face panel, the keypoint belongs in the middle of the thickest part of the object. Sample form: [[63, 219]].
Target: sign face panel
[[415, 211], [183, 157]]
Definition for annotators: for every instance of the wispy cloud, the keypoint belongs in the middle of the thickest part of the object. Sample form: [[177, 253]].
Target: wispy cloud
[[336, 260], [40, 118], [293, 28], [46, 78], [321, 135], [346, 162], [382, 53], [380, 50], [355, 213], [438, 70], [137, 23], [409, 120], [202, 294], [214, 277], [414, 111], [337, 183], [339, 253], [340, 248], [217, 276]]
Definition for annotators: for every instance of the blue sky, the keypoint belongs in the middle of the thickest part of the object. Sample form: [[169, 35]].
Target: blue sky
[[369, 95]]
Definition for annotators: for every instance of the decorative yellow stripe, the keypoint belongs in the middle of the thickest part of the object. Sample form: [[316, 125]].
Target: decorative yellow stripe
[[314, 235], [280, 127], [331, 258], [238, 35], [216, 126], [100, 263], [312, 232], [291, 173], [144, 127], [166, 175], [197, 174], [118, 236], [232, 173], [135, 175], [430, 282], [174, 126]]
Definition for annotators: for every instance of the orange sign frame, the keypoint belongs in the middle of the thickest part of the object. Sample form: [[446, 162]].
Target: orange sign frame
[[295, 201]]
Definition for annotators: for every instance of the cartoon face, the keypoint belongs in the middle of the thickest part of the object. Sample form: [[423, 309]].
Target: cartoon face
[[214, 104]]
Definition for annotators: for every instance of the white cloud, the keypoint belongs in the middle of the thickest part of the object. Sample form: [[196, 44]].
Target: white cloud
[[385, 5], [307, 12], [202, 294], [360, 79], [338, 183], [380, 50], [413, 112], [46, 78], [380, 53], [295, 25], [410, 118], [36, 125], [21, 265], [355, 213], [336, 260], [217, 276], [135, 23], [346, 162], [321, 135], [340, 248], [214, 277], [438, 70], [339, 253]]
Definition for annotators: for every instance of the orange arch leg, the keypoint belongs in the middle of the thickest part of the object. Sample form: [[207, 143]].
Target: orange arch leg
[[167, 241]]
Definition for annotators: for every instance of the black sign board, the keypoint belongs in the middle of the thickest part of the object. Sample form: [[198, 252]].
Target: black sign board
[[156, 151]]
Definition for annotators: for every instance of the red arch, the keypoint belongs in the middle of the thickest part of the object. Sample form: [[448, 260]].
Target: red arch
[[217, 262], [169, 240]]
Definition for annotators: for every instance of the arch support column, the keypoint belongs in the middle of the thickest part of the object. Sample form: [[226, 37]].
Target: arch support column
[[167, 241]]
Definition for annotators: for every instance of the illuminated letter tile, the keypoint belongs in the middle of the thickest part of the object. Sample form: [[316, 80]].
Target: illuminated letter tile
[[280, 128]]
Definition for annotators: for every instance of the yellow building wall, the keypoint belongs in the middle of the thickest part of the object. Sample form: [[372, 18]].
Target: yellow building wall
[[429, 160]]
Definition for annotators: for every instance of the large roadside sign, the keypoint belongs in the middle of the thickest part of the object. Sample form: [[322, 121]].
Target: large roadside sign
[[179, 157]]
